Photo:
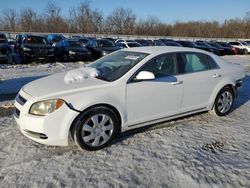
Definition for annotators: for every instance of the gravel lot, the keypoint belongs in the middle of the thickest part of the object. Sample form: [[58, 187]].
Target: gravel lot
[[196, 151]]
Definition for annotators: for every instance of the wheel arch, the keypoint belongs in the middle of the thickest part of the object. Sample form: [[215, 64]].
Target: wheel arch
[[219, 87], [90, 109]]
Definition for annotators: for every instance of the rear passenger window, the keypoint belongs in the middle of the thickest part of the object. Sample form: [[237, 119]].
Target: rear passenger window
[[212, 63], [195, 62]]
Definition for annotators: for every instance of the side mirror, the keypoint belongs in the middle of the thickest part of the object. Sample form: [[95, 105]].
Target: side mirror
[[144, 75]]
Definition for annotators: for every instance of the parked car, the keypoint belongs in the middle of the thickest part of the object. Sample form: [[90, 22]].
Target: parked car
[[169, 42], [128, 44], [71, 50], [234, 50], [127, 89], [101, 47], [192, 44], [172, 43], [83, 40], [35, 48], [158, 43], [210, 48], [143, 42], [241, 45], [5, 49], [223, 49], [53, 39]]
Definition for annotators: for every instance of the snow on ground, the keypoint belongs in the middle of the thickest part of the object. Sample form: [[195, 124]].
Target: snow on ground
[[196, 151]]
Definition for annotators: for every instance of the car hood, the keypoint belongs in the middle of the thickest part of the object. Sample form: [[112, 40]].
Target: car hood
[[55, 85], [110, 49], [76, 49], [41, 46]]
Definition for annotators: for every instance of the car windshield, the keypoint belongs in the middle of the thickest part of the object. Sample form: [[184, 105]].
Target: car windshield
[[74, 44], [133, 44], [105, 43], [58, 38], [115, 65], [214, 45], [36, 40]]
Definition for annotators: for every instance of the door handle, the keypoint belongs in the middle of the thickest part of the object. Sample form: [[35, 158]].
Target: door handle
[[177, 83], [216, 76]]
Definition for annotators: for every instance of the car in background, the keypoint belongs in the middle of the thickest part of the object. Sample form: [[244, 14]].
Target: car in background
[[83, 40], [210, 48], [101, 47], [71, 50], [158, 43], [53, 39], [169, 42], [35, 48], [234, 50], [128, 44], [125, 90], [225, 50], [5, 50], [191, 44], [144, 42], [241, 45], [172, 43], [110, 39]]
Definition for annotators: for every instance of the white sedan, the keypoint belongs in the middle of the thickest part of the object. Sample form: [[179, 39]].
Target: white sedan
[[125, 90]]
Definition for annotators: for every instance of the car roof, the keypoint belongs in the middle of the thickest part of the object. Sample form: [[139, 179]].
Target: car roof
[[155, 50]]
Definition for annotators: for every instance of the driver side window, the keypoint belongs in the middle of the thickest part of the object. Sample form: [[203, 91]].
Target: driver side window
[[162, 66]]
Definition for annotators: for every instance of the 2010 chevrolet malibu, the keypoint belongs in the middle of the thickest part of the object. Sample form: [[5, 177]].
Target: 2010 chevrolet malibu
[[124, 90]]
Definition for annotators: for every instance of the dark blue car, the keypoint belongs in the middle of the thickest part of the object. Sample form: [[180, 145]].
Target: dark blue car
[[53, 39], [71, 50]]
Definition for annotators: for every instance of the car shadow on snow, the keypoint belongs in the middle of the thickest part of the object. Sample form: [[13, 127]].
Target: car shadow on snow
[[243, 94], [9, 88]]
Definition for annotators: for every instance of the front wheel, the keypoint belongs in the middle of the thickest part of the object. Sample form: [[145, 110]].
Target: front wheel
[[223, 102], [95, 130]]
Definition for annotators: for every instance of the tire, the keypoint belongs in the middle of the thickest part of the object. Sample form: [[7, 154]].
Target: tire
[[10, 59], [65, 57], [95, 129], [245, 51], [223, 102]]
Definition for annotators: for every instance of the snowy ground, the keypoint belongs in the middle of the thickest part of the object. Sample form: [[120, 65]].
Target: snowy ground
[[196, 151]]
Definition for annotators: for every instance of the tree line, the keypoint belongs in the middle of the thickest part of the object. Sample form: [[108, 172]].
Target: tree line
[[122, 21]]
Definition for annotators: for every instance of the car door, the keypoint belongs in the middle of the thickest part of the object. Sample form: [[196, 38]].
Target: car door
[[158, 98], [200, 75]]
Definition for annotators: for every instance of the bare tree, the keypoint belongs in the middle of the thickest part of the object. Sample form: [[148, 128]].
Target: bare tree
[[54, 21], [85, 19], [9, 20], [121, 21]]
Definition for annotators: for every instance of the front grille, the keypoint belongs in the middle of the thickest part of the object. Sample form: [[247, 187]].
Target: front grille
[[16, 112], [3, 51], [20, 99]]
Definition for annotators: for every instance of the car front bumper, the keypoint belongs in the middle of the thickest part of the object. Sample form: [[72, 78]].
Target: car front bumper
[[52, 129]]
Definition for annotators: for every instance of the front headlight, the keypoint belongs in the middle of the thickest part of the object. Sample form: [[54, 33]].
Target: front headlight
[[26, 49], [72, 53], [43, 108]]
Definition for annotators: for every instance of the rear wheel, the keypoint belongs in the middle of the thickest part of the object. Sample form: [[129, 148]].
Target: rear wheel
[[223, 102], [96, 129]]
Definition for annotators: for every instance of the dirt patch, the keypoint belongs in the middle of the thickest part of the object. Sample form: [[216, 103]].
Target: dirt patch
[[6, 111], [214, 146]]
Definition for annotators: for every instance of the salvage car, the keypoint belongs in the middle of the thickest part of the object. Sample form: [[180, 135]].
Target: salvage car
[[124, 90], [71, 50], [101, 47], [5, 50], [35, 48]]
